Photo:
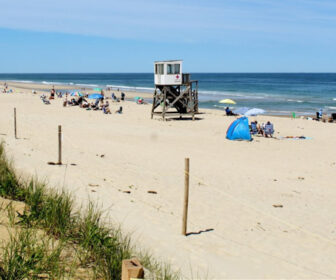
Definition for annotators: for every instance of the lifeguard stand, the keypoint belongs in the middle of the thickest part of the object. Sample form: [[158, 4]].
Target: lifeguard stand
[[174, 92]]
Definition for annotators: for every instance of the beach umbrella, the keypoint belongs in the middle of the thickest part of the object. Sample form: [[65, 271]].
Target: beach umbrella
[[241, 110], [95, 96], [76, 93], [227, 101], [254, 112]]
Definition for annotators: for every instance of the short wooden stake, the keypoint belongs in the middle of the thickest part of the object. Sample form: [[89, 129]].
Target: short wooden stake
[[15, 123], [186, 196], [59, 144]]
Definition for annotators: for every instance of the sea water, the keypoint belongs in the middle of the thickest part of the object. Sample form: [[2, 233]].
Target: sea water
[[277, 93]]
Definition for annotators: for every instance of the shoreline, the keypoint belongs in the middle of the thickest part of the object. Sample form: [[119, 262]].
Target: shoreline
[[43, 88]]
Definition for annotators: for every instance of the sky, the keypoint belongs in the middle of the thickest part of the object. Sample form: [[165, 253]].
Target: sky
[[38, 36]]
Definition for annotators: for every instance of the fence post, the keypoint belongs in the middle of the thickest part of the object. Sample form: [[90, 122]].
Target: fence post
[[15, 123], [186, 196], [60, 145]]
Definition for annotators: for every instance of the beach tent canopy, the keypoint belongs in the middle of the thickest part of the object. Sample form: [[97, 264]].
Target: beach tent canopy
[[239, 130], [76, 93], [97, 89], [227, 101], [254, 112], [95, 96]]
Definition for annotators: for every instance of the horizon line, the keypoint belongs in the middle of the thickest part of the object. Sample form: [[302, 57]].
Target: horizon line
[[300, 72]]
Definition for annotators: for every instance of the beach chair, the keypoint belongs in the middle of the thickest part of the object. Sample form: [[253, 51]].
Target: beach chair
[[45, 101], [254, 129], [269, 130]]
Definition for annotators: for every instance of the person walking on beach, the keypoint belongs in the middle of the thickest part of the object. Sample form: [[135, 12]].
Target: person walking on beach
[[52, 93]]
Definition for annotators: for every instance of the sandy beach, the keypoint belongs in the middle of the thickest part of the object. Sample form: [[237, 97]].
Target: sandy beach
[[260, 209]]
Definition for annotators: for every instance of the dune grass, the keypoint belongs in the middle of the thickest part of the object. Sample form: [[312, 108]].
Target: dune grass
[[96, 245], [30, 255]]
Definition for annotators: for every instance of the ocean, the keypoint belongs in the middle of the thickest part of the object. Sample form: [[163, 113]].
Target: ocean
[[278, 93]]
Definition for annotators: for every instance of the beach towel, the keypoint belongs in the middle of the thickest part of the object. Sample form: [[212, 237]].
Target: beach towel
[[295, 138]]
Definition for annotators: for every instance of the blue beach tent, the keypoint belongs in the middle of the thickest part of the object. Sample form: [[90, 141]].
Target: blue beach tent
[[95, 96], [239, 130]]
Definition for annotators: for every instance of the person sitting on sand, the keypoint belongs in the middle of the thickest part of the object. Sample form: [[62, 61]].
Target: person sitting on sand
[[44, 99], [229, 112], [254, 128], [114, 98], [95, 105], [260, 128], [101, 104], [120, 110], [269, 129], [85, 104], [82, 102], [106, 108], [74, 101], [81, 99]]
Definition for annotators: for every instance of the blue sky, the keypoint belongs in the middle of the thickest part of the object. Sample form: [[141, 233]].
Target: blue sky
[[128, 35]]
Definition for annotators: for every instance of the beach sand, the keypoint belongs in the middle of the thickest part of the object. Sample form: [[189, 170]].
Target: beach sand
[[236, 230]]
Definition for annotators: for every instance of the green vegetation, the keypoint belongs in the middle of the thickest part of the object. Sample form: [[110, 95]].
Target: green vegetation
[[95, 246], [29, 255]]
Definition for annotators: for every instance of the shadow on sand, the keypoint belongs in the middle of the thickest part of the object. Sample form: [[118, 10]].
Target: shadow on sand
[[200, 232]]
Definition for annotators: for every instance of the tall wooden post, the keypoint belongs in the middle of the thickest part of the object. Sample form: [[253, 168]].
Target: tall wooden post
[[59, 144], [15, 123], [186, 196], [154, 101], [164, 103]]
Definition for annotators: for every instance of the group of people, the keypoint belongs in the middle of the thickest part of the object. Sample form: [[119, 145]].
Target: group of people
[[99, 104], [5, 89], [325, 118], [266, 130], [82, 101]]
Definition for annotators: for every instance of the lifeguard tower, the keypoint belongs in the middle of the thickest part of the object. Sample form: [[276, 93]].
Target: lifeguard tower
[[175, 93]]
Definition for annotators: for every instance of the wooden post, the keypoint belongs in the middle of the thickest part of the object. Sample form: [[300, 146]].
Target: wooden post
[[154, 101], [186, 196], [164, 103], [131, 268], [59, 144], [15, 123]]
